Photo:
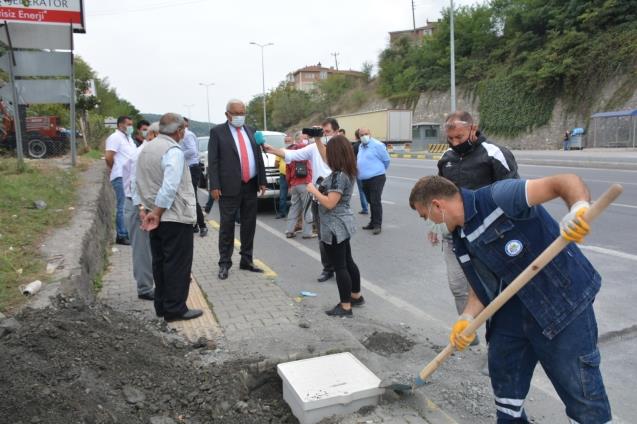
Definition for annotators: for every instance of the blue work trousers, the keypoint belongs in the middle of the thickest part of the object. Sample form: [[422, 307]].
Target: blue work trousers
[[571, 361], [361, 194]]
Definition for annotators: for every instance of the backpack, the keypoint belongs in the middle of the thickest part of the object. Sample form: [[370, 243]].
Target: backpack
[[300, 169]]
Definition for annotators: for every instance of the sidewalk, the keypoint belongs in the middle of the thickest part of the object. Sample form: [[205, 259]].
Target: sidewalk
[[251, 317]]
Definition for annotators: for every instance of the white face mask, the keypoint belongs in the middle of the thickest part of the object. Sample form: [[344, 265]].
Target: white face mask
[[440, 229], [325, 139], [129, 130], [365, 139], [238, 121]]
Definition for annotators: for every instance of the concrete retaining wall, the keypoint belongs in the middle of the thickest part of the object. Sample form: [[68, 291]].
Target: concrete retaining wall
[[433, 107], [85, 241]]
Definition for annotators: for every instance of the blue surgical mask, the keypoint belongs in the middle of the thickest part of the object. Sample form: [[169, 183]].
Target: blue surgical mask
[[144, 133], [238, 121], [365, 139], [129, 130]]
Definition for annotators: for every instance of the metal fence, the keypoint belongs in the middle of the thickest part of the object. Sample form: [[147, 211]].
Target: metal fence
[[613, 129], [42, 138]]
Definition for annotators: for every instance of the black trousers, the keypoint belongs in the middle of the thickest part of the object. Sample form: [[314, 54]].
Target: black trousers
[[348, 278], [245, 203], [195, 175], [325, 260], [171, 245], [373, 189]]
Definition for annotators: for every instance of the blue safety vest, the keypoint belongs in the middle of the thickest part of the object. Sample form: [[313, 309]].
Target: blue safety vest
[[493, 249]]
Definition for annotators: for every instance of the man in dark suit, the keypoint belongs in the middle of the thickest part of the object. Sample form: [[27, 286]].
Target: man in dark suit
[[236, 172]]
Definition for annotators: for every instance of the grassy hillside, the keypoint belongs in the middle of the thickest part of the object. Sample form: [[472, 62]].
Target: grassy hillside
[[519, 56], [198, 127]]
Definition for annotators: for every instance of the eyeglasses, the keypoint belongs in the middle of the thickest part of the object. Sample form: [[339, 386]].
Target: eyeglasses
[[454, 124]]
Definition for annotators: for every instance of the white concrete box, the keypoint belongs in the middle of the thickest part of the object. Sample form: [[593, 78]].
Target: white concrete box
[[320, 387]]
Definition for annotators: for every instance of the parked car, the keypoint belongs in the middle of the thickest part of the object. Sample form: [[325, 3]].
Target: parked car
[[273, 138]]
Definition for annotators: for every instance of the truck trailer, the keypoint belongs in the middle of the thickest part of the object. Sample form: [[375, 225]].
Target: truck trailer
[[391, 126]]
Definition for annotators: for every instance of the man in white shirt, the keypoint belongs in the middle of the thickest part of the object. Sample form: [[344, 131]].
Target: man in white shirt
[[120, 148], [315, 153], [191, 152]]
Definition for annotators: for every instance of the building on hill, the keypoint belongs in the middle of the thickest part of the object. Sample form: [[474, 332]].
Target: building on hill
[[307, 78], [417, 35]]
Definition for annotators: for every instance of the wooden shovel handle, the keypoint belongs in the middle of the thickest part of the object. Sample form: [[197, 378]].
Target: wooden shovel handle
[[521, 280]]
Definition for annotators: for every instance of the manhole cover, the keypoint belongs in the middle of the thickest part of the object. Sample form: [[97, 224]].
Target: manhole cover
[[386, 343]]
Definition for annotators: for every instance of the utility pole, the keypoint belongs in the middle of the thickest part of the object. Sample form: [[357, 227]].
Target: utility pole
[[413, 16], [207, 85], [453, 60], [335, 54], [263, 46]]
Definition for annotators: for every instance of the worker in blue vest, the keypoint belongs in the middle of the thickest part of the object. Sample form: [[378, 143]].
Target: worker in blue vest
[[498, 230]]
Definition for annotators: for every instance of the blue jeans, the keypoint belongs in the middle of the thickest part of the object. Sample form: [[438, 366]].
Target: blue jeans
[[283, 195], [571, 361], [120, 223], [361, 194]]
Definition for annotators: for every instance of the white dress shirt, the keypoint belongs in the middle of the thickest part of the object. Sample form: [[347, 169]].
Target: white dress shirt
[[124, 148], [246, 139], [189, 146], [311, 153]]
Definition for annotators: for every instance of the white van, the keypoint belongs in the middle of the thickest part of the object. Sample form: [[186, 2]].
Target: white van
[[274, 139]]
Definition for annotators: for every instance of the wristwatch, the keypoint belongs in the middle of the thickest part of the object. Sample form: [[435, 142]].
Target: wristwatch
[[141, 208]]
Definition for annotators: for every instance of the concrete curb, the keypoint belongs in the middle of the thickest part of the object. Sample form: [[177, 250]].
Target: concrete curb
[[83, 244], [419, 155]]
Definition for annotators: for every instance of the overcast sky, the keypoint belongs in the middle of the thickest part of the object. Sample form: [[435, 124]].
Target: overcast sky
[[156, 52]]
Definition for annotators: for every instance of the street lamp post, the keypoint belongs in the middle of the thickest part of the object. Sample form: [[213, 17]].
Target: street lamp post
[[453, 60], [263, 46], [207, 85]]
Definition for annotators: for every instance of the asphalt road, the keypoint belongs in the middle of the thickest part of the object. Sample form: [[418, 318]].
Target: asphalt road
[[404, 278]]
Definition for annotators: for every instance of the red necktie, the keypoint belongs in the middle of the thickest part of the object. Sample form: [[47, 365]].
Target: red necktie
[[245, 163]]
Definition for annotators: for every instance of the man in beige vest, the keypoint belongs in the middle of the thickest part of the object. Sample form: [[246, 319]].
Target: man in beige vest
[[166, 202]]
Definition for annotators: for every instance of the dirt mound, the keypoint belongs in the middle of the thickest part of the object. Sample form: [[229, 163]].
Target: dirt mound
[[386, 343], [90, 364]]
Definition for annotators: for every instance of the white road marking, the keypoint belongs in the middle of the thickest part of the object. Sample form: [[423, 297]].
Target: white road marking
[[609, 252], [368, 285], [402, 178], [387, 202]]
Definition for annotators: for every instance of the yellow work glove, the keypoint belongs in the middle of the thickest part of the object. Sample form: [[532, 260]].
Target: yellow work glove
[[573, 227], [456, 338]]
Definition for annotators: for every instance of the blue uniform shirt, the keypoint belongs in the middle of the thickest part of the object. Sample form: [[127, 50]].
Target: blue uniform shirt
[[502, 235]]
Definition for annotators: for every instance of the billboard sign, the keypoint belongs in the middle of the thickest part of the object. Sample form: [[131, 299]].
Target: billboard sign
[[48, 12]]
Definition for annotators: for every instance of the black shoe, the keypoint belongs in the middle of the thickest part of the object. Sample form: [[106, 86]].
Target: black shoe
[[325, 275], [159, 314], [195, 229], [223, 273], [203, 231], [357, 302], [363, 212], [122, 240], [376, 231], [279, 216], [147, 296], [368, 227], [190, 314], [250, 267], [338, 311], [206, 209]]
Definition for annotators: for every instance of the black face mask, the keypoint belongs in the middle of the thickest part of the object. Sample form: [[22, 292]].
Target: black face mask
[[463, 148]]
